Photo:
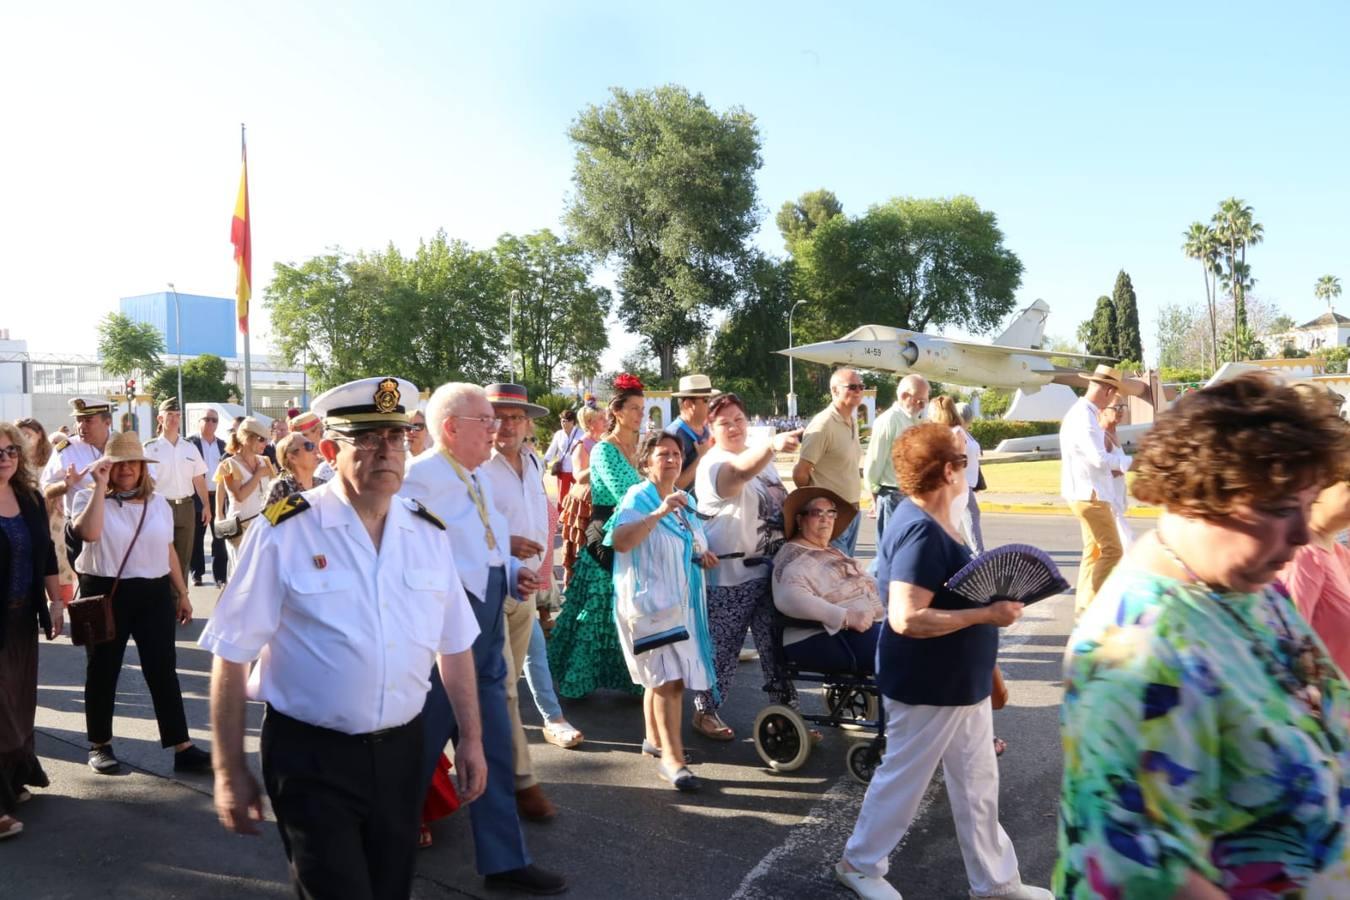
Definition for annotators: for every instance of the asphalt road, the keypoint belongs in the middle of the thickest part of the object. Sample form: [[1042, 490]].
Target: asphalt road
[[621, 832]]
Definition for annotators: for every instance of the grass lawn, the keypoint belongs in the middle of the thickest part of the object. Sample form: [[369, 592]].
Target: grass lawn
[[1038, 477]]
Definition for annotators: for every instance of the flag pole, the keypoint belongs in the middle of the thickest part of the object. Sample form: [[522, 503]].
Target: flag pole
[[248, 358]]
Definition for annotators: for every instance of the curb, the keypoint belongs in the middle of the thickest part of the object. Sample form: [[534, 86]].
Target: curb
[[1049, 509]]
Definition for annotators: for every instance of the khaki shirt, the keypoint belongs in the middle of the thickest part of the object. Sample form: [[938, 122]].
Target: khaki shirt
[[831, 446]]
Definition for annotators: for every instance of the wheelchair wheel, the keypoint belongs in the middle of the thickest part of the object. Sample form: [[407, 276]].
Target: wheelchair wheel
[[852, 705], [864, 758], [781, 738]]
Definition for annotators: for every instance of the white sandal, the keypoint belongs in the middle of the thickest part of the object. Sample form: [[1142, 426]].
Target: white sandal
[[561, 734], [11, 827]]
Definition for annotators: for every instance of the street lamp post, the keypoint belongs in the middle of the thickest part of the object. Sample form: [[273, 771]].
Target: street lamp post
[[792, 384], [177, 339], [511, 300]]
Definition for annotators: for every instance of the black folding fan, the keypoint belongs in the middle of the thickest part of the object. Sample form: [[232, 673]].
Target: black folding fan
[[1011, 572]]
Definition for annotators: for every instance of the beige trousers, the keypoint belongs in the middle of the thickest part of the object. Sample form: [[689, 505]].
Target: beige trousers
[[1101, 548], [519, 624]]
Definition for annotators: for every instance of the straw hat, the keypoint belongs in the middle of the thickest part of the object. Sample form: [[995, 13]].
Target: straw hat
[[695, 386], [125, 446], [514, 396], [802, 496], [1107, 375], [252, 426]]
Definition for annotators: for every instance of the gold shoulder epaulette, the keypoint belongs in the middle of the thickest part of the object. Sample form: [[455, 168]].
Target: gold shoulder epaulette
[[61, 444], [423, 513], [286, 507]]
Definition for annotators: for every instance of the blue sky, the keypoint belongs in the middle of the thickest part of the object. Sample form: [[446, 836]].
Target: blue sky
[[1096, 135]]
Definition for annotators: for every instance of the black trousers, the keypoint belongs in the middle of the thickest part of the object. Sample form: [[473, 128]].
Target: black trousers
[[348, 806], [219, 561], [144, 609]]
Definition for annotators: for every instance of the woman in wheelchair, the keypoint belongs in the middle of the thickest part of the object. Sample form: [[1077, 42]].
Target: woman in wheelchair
[[833, 605]]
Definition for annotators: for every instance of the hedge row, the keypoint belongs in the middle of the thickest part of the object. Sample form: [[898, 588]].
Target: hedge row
[[991, 432]]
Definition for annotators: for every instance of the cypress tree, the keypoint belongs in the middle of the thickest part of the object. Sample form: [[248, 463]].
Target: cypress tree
[[1128, 344], [1100, 338]]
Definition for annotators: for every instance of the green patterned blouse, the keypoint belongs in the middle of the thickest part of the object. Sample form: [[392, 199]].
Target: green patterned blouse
[[1192, 743]]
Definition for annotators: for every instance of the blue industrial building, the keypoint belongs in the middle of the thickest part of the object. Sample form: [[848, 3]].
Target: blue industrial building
[[208, 322]]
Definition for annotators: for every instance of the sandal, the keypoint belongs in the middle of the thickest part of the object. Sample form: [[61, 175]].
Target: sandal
[[999, 746], [10, 826], [681, 778], [710, 726], [561, 734], [652, 750], [423, 837]]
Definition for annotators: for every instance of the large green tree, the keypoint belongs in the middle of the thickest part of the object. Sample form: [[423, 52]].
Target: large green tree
[[559, 315], [1182, 333], [741, 357], [1099, 333], [1236, 229], [127, 348], [665, 191], [910, 263], [797, 219], [203, 381], [1129, 344]]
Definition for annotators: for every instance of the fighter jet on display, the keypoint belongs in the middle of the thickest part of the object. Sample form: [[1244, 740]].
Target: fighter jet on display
[[1015, 359]]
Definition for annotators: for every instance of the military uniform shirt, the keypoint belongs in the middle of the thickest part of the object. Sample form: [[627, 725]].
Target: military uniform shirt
[[174, 467], [344, 637], [76, 453]]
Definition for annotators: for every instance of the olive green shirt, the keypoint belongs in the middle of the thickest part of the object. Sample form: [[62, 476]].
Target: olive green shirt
[[877, 466]]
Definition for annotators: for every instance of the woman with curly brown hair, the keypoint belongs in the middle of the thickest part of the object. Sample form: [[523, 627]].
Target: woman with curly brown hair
[[1206, 729]]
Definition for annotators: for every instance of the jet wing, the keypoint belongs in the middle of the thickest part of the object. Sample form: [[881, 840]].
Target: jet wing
[[998, 350]]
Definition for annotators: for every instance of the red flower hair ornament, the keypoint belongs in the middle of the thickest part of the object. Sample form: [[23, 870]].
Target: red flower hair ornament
[[626, 382]]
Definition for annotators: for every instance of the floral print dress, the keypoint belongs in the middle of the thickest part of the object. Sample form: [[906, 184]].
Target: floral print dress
[[1205, 733]]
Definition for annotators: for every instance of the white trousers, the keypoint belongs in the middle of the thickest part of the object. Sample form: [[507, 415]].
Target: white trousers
[[917, 739]]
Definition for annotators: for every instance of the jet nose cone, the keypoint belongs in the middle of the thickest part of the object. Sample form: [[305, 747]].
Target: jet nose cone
[[825, 352]]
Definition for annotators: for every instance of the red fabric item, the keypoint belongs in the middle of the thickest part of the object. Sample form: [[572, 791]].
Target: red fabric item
[[442, 800]]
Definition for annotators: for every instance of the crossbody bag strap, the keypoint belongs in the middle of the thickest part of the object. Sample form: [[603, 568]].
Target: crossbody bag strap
[[145, 508]]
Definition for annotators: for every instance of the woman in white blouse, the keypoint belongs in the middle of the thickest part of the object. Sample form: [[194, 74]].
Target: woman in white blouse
[[126, 527], [245, 475]]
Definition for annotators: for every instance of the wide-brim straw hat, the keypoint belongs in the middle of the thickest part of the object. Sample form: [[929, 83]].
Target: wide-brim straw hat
[[515, 396], [802, 496], [696, 386], [1107, 375], [252, 426], [125, 446]]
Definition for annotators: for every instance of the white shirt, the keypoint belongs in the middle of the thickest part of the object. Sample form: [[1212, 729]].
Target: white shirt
[[174, 466], [211, 456], [972, 457], [78, 454], [1085, 467], [344, 637], [739, 524], [522, 500], [149, 557], [431, 480], [561, 447]]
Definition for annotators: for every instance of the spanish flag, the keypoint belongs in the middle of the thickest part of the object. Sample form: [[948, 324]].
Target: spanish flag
[[243, 244]]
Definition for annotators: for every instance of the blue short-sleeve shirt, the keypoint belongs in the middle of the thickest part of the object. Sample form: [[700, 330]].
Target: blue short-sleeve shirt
[[956, 669]]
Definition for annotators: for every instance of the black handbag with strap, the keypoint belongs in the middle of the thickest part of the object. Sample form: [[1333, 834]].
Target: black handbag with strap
[[91, 618]]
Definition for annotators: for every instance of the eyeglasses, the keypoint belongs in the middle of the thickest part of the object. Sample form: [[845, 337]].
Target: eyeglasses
[[11, 451], [211, 419], [491, 423], [853, 386], [830, 513], [308, 445], [960, 462], [368, 441], [417, 426], [514, 419]]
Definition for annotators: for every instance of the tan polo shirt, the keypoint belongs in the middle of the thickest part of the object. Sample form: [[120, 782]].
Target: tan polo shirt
[[831, 445]]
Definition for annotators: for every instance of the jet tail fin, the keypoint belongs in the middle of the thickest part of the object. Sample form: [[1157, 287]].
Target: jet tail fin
[[1028, 329]]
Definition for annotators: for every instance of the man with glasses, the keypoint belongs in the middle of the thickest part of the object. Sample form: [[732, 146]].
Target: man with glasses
[[344, 599], [211, 449], [418, 439], [180, 477], [1088, 475], [911, 396], [831, 451], [463, 424], [690, 428]]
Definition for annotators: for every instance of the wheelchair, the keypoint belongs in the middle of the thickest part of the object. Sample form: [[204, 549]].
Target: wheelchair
[[852, 703]]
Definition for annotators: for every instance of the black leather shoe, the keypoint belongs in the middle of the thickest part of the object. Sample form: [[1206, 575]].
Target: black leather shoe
[[529, 880], [193, 759]]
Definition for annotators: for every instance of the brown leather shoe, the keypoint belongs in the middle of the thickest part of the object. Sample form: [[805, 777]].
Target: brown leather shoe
[[533, 805]]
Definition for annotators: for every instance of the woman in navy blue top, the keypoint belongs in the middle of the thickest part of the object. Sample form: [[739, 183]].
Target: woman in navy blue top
[[935, 667]]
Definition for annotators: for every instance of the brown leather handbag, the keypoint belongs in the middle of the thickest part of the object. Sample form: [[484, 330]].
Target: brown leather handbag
[[91, 618]]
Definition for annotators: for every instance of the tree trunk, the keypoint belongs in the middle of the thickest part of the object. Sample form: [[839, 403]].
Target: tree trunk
[[666, 354]]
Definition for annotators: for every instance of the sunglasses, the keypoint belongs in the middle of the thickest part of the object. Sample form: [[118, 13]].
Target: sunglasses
[[417, 426], [211, 419], [11, 451], [830, 513]]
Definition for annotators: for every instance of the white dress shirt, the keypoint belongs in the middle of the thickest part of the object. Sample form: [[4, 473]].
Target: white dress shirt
[[149, 557], [174, 467], [345, 637], [210, 456], [78, 454], [433, 481], [1085, 467], [521, 499]]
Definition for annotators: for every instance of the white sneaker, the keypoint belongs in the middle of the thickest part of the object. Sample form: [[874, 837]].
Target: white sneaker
[[1023, 892], [869, 887]]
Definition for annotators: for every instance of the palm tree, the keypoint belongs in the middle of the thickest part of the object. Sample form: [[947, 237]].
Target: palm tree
[[1202, 244], [1236, 227], [1328, 288]]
